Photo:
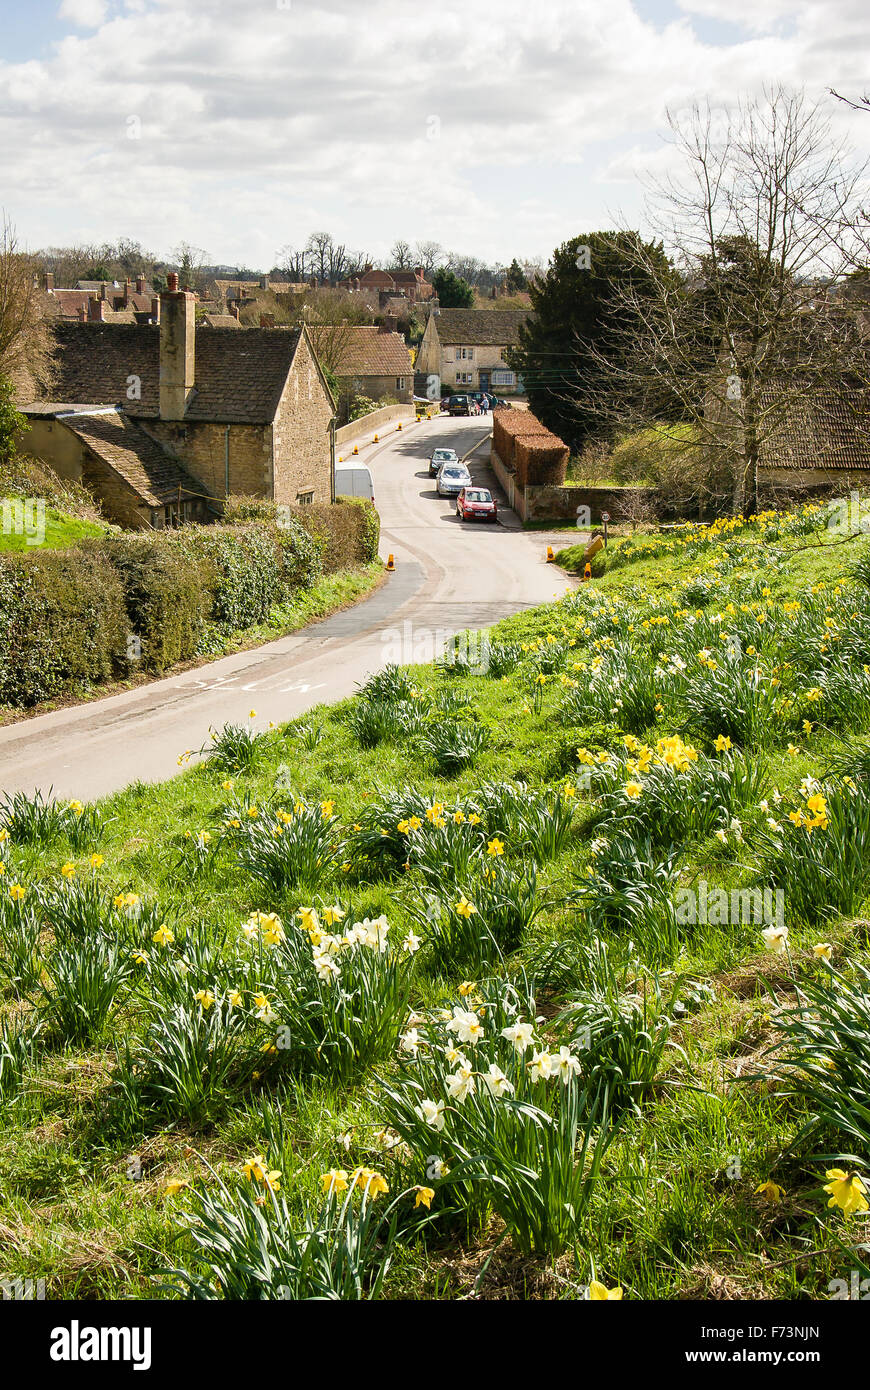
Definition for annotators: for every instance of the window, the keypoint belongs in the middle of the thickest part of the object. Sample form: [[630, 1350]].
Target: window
[[305, 499], [502, 378], [400, 383], [465, 354], [463, 378]]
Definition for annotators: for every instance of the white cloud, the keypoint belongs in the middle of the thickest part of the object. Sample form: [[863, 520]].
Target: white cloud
[[254, 124], [85, 14]]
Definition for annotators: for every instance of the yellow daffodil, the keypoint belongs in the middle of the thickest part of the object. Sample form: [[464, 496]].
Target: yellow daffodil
[[424, 1197], [163, 936], [335, 1180], [68, 871], [495, 847], [823, 950], [600, 1293], [770, 1191], [847, 1191], [464, 908], [204, 998]]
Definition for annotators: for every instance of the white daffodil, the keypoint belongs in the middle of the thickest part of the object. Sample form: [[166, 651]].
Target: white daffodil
[[410, 1041], [411, 943], [497, 1083], [431, 1112], [565, 1065], [541, 1066], [775, 939], [522, 1035], [466, 1025], [461, 1084]]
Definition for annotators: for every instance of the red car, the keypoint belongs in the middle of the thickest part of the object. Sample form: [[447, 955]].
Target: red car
[[476, 504]]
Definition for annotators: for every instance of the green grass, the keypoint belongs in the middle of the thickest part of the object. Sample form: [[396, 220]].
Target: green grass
[[672, 1210], [60, 531]]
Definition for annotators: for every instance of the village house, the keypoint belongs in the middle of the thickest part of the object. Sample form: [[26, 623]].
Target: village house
[[102, 301], [162, 422], [465, 348], [400, 284], [375, 362]]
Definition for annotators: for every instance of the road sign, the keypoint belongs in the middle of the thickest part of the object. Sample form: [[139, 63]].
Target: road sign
[[605, 516]]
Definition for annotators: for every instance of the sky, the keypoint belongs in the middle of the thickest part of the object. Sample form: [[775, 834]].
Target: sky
[[241, 126]]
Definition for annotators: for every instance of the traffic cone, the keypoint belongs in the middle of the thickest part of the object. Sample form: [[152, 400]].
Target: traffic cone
[[391, 564], [399, 425], [550, 556], [587, 572], [340, 459], [375, 439], [355, 449]]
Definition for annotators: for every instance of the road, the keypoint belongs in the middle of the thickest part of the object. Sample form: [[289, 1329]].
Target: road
[[449, 576]]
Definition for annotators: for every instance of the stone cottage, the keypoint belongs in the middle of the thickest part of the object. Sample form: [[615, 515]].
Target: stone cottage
[[162, 422]]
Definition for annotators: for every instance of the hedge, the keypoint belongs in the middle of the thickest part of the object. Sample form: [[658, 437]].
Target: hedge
[[63, 621], [65, 616], [168, 596]]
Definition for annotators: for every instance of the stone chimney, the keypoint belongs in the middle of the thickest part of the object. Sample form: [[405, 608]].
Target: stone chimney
[[103, 289], [140, 284], [82, 313], [418, 271], [127, 291], [96, 310], [48, 282], [234, 309], [264, 282], [155, 308], [389, 325], [177, 349]]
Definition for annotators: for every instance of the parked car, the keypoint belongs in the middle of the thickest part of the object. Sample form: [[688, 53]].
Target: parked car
[[354, 482], [503, 403], [476, 504], [483, 400], [439, 457], [452, 478], [459, 405]]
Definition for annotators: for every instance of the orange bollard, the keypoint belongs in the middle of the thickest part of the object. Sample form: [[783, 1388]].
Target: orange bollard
[[550, 556], [587, 572], [391, 564]]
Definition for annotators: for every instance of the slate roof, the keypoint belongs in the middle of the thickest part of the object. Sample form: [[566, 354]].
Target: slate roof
[[121, 444], [365, 351], [220, 321], [480, 327], [239, 376], [826, 429]]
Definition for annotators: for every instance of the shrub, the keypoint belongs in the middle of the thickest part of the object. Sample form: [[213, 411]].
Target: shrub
[[167, 597], [62, 620], [346, 532], [247, 570]]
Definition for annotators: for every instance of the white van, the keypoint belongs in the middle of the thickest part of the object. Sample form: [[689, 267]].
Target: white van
[[354, 482]]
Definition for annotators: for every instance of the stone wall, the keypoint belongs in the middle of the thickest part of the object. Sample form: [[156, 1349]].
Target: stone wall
[[201, 447], [370, 424], [561, 503], [302, 435]]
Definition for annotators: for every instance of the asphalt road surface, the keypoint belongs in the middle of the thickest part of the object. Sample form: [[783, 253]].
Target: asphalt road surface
[[449, 576]]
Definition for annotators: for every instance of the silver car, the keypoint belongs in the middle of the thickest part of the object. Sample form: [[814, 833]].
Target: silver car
[[452, 478], [439, 458]]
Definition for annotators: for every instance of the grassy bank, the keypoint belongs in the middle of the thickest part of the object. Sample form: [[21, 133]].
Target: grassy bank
[[472, 937]]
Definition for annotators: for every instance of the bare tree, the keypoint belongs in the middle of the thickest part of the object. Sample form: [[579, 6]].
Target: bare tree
[[760, 219], [24, 332], [189, 262], [429, 255], [400, 255], [330, 315], [292, 263]]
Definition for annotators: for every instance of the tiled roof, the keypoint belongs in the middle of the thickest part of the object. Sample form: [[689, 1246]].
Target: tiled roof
[[480, 327], [220, 321], [367, 351], [135, 457], [239, 377], [825, 429]]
